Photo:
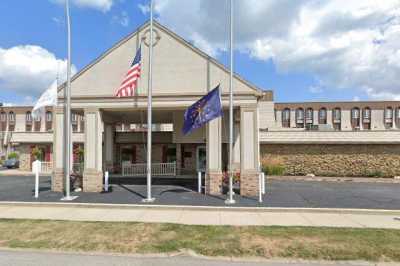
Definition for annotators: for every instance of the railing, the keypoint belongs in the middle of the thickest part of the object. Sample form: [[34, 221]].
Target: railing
[[47, 167], [140, 169]]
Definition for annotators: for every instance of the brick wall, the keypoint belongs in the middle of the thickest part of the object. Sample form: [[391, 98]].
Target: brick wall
[[335, 160]]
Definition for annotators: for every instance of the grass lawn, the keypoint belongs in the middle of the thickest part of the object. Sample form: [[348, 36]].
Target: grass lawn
[[267, 242]]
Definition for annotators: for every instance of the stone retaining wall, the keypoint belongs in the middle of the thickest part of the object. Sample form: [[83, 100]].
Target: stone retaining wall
[[335, 160]]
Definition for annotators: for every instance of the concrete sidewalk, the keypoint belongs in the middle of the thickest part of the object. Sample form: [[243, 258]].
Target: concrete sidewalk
[[203, 215]]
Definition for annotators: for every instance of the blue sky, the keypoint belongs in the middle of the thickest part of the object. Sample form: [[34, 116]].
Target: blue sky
[[303, 50]]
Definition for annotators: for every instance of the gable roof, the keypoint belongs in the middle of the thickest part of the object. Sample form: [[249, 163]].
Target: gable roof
[[176, 37]]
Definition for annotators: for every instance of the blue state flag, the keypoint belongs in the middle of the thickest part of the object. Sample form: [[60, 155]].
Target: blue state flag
[[203, 111]]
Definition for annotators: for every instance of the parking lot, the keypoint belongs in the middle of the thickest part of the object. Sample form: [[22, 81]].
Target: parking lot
[[280, 193]]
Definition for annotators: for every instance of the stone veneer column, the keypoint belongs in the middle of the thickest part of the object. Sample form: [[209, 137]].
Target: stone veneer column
[[249, 152], [93, 172], [57, 179], [214, 158], [109, 131], [178, 158]]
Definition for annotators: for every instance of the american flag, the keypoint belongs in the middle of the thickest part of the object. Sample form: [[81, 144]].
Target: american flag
[[129, 84]]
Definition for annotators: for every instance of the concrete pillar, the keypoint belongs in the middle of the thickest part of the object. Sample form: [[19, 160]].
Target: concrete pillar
[[236, 147], [361, 118], [93, 172], [178, 158], [57, 179], [214, 158], [249, 170], [316, 117], [109, 131], [293, 122]]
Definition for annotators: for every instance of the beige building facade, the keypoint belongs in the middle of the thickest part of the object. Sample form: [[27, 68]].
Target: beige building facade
[[109, 133]]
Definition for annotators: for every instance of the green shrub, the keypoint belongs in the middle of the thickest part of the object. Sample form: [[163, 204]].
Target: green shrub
[[274, 169], [273, 166], [13, 155]]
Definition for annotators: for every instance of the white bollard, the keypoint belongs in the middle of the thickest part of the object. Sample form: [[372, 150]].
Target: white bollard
[[106, 181], [36, 166], [263, 182], [199, 182], [260, 194]]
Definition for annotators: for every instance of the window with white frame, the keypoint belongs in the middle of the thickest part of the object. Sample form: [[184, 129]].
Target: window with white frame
[[322, 114], [3, 117], [309, 115], [11, 116], [388, 113], [49, 116], [286, 117], [28, 117], [367, 113], [337, 114]]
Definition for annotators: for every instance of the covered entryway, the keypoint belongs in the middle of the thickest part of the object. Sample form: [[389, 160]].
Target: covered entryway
[[115, 130]]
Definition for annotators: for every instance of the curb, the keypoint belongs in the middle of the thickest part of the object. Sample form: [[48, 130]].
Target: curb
[[201, 208], [192, 254]]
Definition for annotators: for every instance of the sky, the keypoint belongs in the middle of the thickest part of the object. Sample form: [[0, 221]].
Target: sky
[[304, 50]]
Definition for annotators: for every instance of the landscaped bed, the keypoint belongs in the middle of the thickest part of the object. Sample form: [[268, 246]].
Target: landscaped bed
[[267, 242]]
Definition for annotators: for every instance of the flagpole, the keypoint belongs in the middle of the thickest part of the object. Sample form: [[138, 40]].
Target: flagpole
[[230, 200], [149, 108], [67, 130]]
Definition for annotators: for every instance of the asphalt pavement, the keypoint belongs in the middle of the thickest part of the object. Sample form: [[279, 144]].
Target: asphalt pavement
[[280, 193]]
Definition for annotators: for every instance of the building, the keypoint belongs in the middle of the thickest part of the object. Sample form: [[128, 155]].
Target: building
[[330, 138]]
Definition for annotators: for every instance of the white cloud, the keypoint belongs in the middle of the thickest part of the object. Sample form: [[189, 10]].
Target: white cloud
[[122, 19], [348, 44], [102, 5], [29, 70]]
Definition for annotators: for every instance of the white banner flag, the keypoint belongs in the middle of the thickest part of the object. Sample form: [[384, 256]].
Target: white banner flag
[[48, 98]]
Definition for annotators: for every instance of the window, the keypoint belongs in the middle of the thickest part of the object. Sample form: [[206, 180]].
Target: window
[[388, 117], [322, 120], [336, 117], [366, 118], [49, 116], [337, 114], [11, 116], [355, 118], [3, 121], [367, 113], [3, 117], [74, 118], [49, 121], [28, 124], [83, 123], [28, 117], [286, 117], [389, 113], [300, 117], [309, 115]]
